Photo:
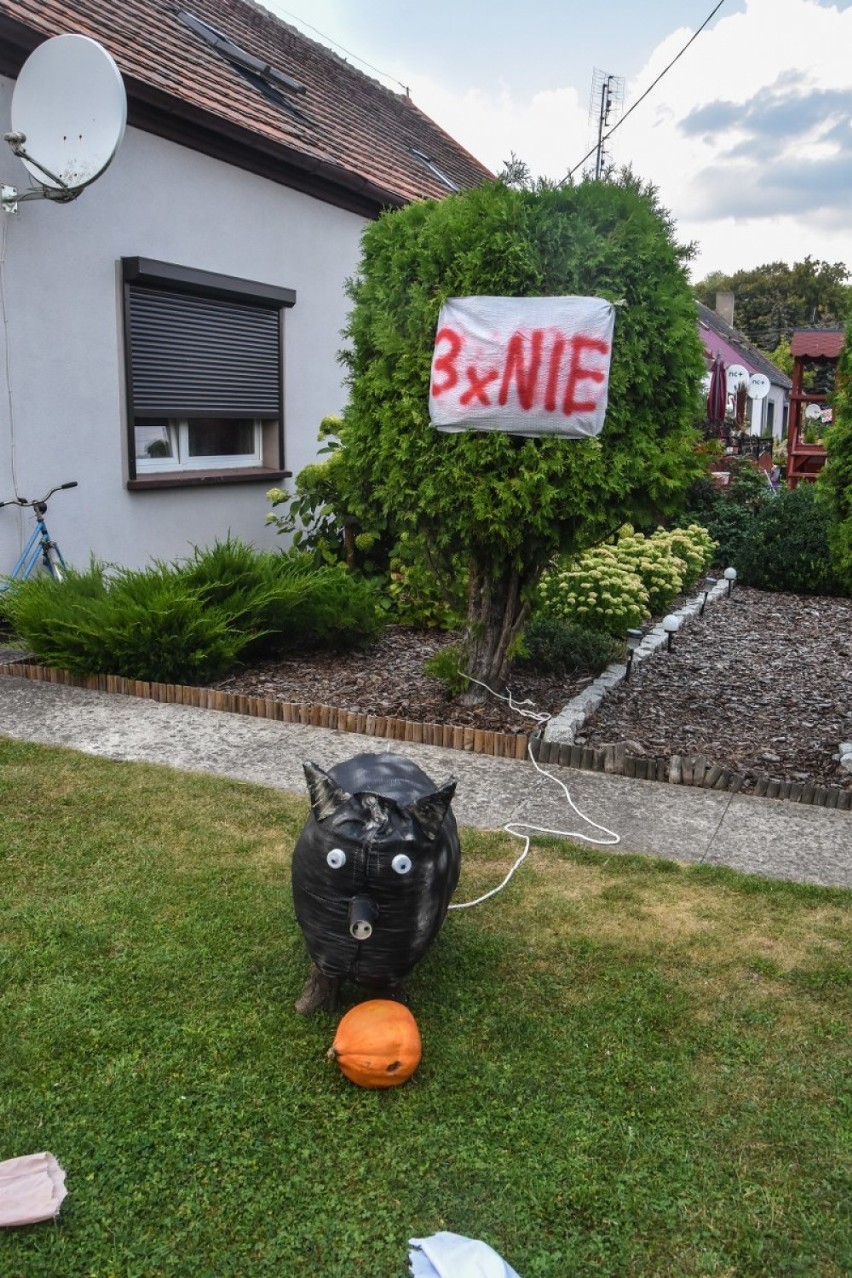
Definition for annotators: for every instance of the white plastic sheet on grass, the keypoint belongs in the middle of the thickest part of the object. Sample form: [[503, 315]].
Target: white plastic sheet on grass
[[447, 1255]]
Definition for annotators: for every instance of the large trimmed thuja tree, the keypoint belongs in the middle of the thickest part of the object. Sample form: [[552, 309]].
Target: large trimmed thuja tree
[[501, 504]]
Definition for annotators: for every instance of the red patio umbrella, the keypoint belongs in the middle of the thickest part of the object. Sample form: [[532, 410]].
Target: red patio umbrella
[[717, 395]]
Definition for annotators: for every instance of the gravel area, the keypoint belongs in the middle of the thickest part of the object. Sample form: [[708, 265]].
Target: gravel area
[[761, 684]]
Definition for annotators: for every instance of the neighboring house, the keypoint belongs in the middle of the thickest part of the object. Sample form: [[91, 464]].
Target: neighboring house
[[766, 416], [171, 336]]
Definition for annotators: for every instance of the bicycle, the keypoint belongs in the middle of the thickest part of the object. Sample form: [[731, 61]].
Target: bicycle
[[41, 550]]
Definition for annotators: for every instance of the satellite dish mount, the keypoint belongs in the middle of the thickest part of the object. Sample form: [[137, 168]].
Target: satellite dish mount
[[69, 112]]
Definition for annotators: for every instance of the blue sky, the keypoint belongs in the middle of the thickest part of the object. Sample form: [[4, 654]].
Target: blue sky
[[748, 137]]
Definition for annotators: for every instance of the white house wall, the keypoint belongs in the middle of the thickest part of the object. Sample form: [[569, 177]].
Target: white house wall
[[759, 412], [65, 414]]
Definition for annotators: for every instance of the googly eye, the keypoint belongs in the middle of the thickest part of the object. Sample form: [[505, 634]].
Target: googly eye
[[336, 858], [401, 863]]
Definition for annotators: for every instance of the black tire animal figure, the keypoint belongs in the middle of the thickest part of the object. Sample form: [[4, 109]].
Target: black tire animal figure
[[374, 870]]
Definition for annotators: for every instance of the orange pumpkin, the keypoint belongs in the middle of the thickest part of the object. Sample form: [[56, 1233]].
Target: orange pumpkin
[[377, 1044]]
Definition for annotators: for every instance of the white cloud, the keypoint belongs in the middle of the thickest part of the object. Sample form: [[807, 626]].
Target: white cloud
[[545, 131], [738, 186], [748, 137], [754, 187]]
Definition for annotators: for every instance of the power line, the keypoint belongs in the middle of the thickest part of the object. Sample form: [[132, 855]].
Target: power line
[[606, 138], [348, 52]]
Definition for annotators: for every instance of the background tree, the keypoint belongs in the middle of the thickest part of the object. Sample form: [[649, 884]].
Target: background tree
[[502, 503], [773, 300], [835, 480]]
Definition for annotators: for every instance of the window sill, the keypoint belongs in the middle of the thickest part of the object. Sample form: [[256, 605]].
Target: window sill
[[207, 478]]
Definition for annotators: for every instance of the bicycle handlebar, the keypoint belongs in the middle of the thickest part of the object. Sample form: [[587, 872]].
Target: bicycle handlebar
[[39, 501]]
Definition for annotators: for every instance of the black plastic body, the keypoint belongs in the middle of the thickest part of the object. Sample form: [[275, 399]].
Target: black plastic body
[[374, 808]]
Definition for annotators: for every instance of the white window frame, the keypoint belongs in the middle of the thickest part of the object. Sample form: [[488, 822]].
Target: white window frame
[[180, 459]]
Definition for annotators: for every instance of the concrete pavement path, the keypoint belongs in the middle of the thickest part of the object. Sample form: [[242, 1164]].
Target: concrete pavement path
[[762, 836]]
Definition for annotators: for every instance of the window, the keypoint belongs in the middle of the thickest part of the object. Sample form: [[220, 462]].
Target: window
[[165, 444], [435, 170], [770, 417], [204, 376], [264, 77]]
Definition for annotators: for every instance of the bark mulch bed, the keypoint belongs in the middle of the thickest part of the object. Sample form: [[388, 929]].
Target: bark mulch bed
[[761, 684], [387, 680]]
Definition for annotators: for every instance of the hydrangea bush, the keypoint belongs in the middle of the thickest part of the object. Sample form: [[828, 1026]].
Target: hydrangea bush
[[616, 587], [694, 546], [596, 590], [653, 560]]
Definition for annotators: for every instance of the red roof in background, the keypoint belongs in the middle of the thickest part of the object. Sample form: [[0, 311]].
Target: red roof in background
[[719, 338], [346, 130], [816, 342]]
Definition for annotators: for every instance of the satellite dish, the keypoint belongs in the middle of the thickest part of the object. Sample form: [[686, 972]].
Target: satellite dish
[[758, 387], [813, 411], [736, 376], [69, 111]]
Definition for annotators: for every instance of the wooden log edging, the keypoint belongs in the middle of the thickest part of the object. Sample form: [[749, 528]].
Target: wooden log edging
[[693, 770], [502, 745]]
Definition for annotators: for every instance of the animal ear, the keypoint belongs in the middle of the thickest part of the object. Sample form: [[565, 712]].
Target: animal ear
[[429, 812], [326, 795]]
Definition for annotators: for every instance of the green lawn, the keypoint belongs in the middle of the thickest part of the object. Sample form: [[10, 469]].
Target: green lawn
[[630, 1067]]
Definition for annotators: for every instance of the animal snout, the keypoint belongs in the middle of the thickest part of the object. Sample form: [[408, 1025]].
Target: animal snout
[[363, 913]]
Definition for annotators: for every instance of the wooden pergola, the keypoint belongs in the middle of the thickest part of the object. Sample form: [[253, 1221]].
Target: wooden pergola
[[815, 352]]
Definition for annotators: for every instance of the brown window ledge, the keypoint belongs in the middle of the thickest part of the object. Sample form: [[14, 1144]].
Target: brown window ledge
[[207, 478]]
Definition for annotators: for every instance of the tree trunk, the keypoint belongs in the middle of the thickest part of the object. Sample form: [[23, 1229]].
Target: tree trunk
[[495, 617]]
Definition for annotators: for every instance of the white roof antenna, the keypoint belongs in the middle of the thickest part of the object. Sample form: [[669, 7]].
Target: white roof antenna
[[69, 111]]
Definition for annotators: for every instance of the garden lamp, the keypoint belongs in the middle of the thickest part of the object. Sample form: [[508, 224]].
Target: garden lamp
[[730, 576], [709, 583], [671, 625], [634, 638]]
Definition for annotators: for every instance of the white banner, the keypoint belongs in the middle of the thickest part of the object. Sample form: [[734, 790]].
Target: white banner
[[525, 365]]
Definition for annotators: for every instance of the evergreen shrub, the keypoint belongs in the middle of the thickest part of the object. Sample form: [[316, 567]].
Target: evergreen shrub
[[508, 505], [289, 602], [835, 481], [552, 645], [147, 625], [191, 622], [729, 514], [788, 545]]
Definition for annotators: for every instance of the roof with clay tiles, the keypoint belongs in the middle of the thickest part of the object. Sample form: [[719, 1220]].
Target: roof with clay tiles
[[817, 343], [347, 138]]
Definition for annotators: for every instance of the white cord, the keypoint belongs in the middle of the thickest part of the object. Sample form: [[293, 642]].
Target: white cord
[[515, 827]]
